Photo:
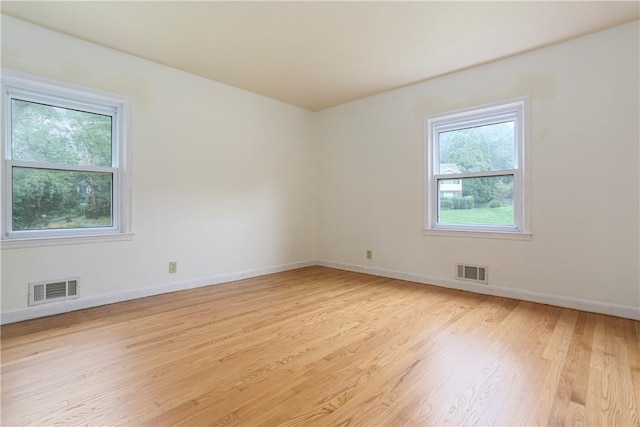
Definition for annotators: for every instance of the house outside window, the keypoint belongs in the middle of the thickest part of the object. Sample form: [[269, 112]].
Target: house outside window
[[475, 166], [65, 163], [450, 188]]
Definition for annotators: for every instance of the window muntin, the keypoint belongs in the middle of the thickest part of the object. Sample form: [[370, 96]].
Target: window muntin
[[65, 160], [475, 169]]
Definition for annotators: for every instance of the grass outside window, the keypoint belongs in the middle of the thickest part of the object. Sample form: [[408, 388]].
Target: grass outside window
[[482, 215]]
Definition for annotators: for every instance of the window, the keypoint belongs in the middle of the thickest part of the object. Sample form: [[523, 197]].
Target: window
[[65, 163], [475, 171]]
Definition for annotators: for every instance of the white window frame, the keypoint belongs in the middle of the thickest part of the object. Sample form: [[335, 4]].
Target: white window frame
[[514, 109], [19, 85]]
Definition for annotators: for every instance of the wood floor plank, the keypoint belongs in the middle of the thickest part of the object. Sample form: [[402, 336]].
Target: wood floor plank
[[319, 346], [595, 396], [568, 375]]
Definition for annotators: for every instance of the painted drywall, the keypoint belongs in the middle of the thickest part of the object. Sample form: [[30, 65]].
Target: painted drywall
[[227, 182], [223, 179], [584, 173]]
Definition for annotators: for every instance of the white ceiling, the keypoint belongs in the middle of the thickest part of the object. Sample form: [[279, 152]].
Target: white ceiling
[[320, 54]]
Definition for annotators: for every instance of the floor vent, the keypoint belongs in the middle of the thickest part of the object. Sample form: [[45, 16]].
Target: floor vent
[[472, 273], [54, 290]]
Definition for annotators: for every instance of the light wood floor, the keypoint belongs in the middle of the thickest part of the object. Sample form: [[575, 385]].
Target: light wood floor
[[323, 347]]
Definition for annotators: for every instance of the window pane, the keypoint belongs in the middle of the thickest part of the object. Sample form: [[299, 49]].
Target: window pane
[[44, 133], [477, 149], [45, 199], [473, 201]]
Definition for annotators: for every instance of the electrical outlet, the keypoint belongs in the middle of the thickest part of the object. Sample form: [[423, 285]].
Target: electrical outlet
[[369, 254], [173, 267]]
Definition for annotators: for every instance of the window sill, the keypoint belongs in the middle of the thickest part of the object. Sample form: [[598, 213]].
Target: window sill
[[478, 234], [65, 240]]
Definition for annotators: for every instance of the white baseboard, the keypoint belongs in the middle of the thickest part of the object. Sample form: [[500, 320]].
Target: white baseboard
[[628, 312], [79, 304]]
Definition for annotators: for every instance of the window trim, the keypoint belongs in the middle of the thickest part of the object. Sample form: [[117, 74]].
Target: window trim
[[516, 109], [39, 89]]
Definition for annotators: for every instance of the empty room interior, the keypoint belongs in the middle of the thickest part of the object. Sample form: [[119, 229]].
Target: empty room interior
[[320, 213]]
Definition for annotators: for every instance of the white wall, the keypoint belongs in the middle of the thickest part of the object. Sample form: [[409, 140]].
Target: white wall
[[224, 180], [584, 158]]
